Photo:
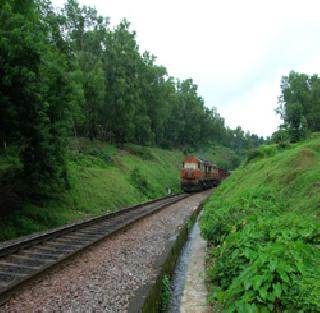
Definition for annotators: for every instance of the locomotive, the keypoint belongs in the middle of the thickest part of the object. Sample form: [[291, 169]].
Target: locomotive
[[197, 174]]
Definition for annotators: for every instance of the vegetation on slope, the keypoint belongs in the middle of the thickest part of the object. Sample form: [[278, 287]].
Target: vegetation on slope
[[263, 224], [102, 179], [222, 156], [68, 73]]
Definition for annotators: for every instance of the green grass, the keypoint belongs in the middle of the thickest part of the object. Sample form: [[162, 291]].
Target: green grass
[[103, 179], [292, 174], [221, 156], [263, 222]]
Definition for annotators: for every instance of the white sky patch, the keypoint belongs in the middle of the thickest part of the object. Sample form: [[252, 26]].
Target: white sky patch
[[235, 50], [252, 112]]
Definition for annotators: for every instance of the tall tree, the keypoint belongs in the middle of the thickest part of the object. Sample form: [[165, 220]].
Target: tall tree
[[298, 104], [122, 96], [35, 90]]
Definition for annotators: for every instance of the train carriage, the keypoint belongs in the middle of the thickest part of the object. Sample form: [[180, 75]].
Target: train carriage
[[197, 174]]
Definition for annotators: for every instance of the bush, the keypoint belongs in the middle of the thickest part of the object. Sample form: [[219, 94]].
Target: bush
[[140, 151], [265, 151], [142, 184], [221, 217], [165, 294], [315, 135], [266, 258], [253, 155], [269, 281], [101, 154]]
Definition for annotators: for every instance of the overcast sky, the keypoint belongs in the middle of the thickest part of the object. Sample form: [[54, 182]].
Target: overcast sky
[[235, 50]]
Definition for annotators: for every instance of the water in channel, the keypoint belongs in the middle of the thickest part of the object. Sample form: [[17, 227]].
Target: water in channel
[[178, 278]]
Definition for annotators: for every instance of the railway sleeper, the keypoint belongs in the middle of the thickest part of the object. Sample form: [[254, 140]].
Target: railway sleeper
[[58, 246], [23, 261], [7, 278], [15, 269], [48, 251], [39, 255]]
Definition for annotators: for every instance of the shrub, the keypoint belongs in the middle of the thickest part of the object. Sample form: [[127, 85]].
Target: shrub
[[266, 258], [265, 151], [140, 151], [165, 294], [268, 282], [101, 154], [142, 184]]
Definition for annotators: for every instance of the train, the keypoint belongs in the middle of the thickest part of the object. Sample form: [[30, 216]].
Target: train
[[197, 174]]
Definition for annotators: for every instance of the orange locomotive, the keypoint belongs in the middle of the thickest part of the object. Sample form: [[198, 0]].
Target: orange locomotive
[[198, 174]]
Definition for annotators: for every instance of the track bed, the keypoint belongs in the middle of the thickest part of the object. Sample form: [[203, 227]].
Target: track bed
[[107, 276], [23, 259]]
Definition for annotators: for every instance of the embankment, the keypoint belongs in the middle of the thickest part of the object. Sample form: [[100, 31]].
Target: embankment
[[263, 225], [102, 178]]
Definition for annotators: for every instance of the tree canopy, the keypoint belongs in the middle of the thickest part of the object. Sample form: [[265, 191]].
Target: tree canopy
[[68, 73], [299, 105]]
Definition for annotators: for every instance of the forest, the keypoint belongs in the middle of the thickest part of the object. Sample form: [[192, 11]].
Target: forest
[[67, 73]]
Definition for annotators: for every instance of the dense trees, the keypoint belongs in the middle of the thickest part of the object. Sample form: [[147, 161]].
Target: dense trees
[[299, 106], [66, 72], [34, 93]]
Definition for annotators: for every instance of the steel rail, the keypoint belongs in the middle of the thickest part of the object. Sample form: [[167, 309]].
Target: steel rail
[[25, 258]]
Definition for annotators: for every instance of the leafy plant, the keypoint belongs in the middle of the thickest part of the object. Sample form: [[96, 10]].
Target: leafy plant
[[140, 151], [141, 183], [265, 232], [258, 266], [165, 293]]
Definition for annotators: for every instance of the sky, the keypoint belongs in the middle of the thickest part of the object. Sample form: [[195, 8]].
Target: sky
[[235, 50]]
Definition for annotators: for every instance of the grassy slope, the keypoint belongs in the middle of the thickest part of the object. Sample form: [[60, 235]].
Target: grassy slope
[[292, 175], [103, 178], [220, 155], [268, 211]]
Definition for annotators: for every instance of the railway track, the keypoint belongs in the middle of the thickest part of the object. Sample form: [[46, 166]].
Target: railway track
[[23, 259]]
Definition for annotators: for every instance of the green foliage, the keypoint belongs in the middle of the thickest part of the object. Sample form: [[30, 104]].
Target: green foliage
[[231, 216], [299, 105], [165, 294], [265, 151], [266, 233], [140, 151], [141, 183], [30, 219], [100, 176], [220, 155], [66, 72], [34, 93], [90, 153], [280, 137], [260, 265]]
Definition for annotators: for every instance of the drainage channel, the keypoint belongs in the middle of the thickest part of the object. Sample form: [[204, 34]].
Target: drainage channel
[[188, 288], [174, 265]]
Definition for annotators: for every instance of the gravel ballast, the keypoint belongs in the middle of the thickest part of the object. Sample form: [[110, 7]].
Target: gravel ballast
[[105, 276]]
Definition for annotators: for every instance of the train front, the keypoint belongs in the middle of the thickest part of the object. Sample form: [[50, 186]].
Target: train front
[[191, 176]]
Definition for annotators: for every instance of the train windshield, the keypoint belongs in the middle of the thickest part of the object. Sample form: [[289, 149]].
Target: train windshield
[[191, 165]]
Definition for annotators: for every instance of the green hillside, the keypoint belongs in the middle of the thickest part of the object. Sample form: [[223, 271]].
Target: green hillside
[[102, 178], [222, 156], [263, 224]]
